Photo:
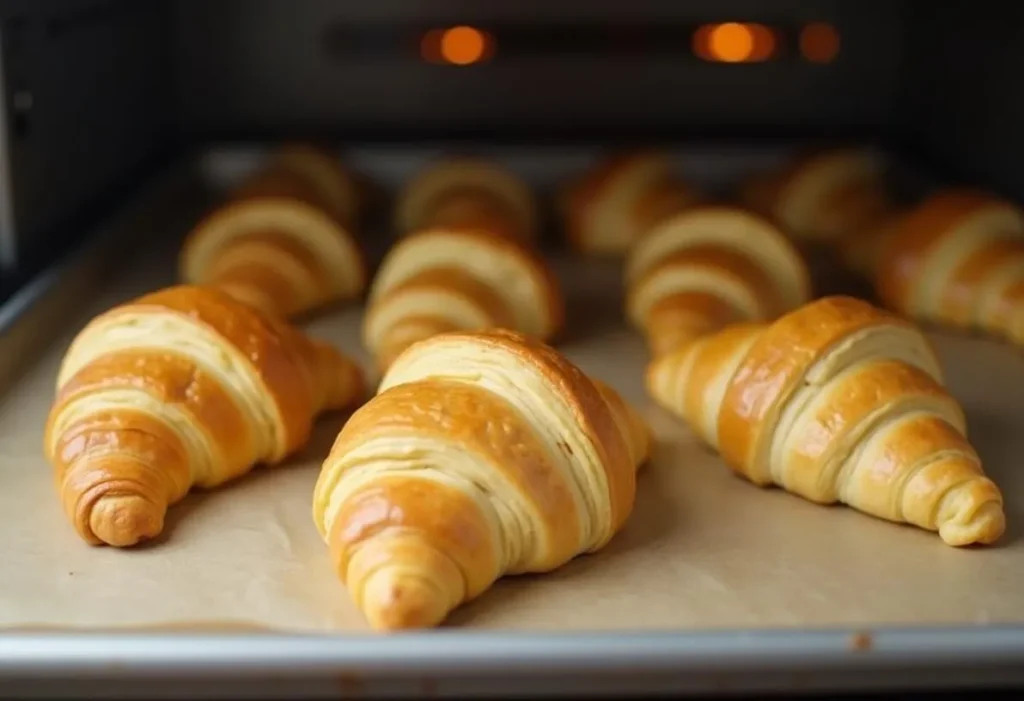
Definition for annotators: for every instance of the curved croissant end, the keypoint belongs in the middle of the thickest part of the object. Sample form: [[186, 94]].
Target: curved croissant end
[[635, 431], [280, 244], [837, 402], [482, 455], [471, 194], [957, 259], [336, 187], [610, 208], [824, 196], [441, 280], [180, 388], [707, 267]]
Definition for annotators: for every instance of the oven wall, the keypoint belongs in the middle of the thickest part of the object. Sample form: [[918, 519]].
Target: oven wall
[[93, 89], [964, 103], [86, 104], [264, 68]]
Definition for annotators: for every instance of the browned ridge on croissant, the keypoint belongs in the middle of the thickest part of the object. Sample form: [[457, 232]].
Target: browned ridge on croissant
[[185, 387], [957, 259], [468, 193], [452, 279], [837, 401], [611, 206], [709, 266], [827, 195], [482, 455], [282, 243]]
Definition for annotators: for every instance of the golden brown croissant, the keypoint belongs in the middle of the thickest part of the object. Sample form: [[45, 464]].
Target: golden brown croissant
[[483, 455], [837, 401], [861, 251], [468, 193], [441, 280], [182, 387], [612, 206], [957, 259], [709, 266], [282, 243], [822, 196]]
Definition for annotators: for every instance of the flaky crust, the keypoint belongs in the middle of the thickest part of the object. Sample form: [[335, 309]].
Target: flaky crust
[[282, 242], [443, 279], [824, 195], [708, 266], [837, 401], [182, 387], [483, 454], [468, 193], [957, 259], [610, 207]]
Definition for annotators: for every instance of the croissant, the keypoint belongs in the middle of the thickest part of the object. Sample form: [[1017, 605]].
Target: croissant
[[468, 193], [709, 266], [957, 259], [823, 196], [282, 243], [862, 251], [441, 280], [837, 401], [610, 208], [185, 387], [483, 455]]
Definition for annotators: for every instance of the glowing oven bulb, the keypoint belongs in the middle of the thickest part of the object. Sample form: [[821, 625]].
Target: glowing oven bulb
[[460, 46], [734, 42]]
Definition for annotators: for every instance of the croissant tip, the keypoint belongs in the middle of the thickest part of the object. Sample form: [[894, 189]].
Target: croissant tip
[[400, 602], [983, 527], [124, 521]]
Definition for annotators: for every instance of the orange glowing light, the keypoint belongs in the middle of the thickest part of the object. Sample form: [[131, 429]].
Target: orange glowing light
[[731, 42], [819, 42], [463, 45], [734, 42]]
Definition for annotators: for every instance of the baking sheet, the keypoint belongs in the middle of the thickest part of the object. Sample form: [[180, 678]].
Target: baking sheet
[[703, 550]]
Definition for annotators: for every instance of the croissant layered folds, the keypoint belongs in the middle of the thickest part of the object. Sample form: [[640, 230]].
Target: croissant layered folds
[[185, 387], [482, 455], [709, 266], [609, 208], [468, 193], [957, 259], [825, 196], [440, 280], [837, 401], [283, 241]]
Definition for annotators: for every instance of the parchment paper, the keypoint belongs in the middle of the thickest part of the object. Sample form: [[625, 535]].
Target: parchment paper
[[703, 549]]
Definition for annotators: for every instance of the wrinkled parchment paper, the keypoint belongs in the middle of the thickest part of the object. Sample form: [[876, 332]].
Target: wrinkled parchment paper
[[703, 549]]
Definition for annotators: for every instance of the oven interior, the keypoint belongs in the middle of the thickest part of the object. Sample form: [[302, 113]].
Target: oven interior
[[99, 96]]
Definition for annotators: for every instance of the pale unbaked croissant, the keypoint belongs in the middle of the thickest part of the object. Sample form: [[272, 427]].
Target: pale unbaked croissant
[[709, 266], [612, 206], [443, 279], [482, 455], [181, 388], [957, 259], [824, 196], [283, 242], [837, 401], [468, 193]]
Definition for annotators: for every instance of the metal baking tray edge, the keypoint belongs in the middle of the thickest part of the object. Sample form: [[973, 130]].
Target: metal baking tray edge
[[448, 662]]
